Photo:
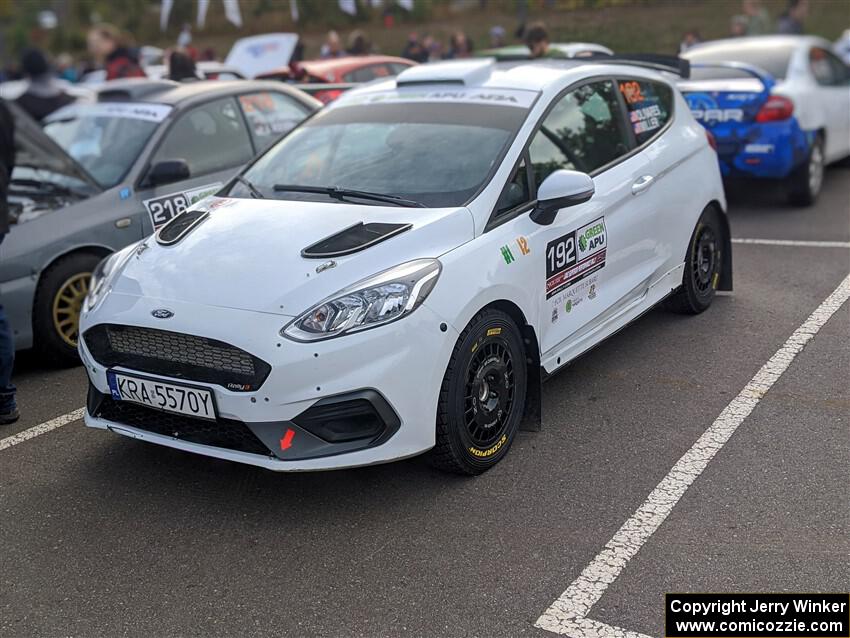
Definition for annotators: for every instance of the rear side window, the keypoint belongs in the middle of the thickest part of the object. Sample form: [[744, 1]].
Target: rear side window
[[270, 115], [211, 138], [582, 132], [827, 69], [650, 106]]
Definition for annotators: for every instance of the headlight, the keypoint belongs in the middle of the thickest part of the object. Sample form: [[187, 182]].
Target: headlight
[[101, 277], [380, 299]]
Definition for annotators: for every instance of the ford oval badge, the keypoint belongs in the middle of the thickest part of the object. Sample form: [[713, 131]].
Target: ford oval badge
[[162, 313]]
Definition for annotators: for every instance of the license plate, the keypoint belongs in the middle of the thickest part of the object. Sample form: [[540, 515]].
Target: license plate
[[169, 397]]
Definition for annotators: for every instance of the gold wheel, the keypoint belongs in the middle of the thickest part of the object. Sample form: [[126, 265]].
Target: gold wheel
[[67, 305]]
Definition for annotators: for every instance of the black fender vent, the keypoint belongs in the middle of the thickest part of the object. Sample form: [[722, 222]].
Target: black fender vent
[[353, 239], [180, 226]]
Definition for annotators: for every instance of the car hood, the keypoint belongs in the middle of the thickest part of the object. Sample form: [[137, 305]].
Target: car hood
[[247, 253], [36, 150]]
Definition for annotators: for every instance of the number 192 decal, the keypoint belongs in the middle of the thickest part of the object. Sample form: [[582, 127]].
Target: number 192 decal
[[575, 255]]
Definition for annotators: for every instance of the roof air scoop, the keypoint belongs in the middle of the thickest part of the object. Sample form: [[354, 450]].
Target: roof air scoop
[[465, 72]]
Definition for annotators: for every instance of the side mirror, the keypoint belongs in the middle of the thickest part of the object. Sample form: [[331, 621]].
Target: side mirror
[[561, 189], [168, 171]]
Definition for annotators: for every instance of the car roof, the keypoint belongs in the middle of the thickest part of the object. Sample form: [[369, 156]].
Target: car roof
[[486, 73], [178, 93], [758, 42], [348, 62]]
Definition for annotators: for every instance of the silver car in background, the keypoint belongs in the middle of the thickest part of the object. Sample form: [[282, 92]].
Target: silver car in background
[[102, 175]]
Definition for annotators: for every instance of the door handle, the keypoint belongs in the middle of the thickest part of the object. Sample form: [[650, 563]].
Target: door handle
[[123, 223], [641, 184]]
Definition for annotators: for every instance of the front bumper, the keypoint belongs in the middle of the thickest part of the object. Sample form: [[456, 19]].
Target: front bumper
[[309, 412]]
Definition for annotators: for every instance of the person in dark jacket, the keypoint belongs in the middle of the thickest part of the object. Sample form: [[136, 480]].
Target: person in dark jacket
[[414, 50], [44, 94], [181, 67], [791, 21], [109, 47], [8, 406], [537, 41]]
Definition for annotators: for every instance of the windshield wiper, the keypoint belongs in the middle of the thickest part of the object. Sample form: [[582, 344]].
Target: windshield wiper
[[341, 193], [255, 192]]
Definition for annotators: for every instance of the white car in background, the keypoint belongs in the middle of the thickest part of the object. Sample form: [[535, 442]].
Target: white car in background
[[778, 106], [431, 247]]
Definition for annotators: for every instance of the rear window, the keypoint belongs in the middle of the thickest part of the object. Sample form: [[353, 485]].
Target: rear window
[[270, 115], [774, 59], [650, 106]]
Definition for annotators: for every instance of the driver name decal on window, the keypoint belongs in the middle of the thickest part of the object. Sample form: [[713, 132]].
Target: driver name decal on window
[[574, 256], [165, 208], [650, 106], [646, 119]]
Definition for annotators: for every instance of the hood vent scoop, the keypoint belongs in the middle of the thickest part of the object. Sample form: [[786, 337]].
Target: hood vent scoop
[[353, 239], [180, 226]]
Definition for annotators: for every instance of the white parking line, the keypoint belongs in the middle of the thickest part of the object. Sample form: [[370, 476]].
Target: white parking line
[[569, 614], [42, 428], [793, 242]]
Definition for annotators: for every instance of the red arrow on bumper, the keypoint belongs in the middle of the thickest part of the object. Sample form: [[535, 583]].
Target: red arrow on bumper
[[286, 441]]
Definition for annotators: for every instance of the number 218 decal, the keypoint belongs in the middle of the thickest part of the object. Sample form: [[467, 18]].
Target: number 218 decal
[[163, 209]]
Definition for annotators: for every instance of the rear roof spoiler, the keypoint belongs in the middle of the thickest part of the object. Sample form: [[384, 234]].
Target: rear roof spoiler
[[654, 61]]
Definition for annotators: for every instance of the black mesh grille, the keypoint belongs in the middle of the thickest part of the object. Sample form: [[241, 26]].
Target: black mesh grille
[[223, 433], [176, 355]]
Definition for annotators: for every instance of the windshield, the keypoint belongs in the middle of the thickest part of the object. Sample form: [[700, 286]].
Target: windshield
[[773, 58], [105, 138], [437, 154]]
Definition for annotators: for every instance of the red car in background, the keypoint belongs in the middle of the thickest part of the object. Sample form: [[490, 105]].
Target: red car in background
[[346, 70]]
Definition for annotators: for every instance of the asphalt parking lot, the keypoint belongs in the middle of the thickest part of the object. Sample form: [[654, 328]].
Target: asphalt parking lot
[[101, 535]]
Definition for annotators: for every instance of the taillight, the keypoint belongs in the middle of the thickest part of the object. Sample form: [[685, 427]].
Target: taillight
[[712, 141], [776, 108]]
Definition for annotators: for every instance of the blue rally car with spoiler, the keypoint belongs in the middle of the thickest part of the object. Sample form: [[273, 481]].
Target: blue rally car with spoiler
[[777, 106]]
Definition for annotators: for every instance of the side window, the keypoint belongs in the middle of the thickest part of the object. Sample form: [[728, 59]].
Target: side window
[[582, 132], [516, 191], [650, 106], [270, 115], [841, 70], [827, 69], [366, 73], [210, 137]]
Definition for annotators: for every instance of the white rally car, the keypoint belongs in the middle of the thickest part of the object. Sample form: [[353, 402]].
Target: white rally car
[[399, 273]]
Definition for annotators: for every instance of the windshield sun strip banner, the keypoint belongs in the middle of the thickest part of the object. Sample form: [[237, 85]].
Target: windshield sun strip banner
[[501, 97], [129, 110]]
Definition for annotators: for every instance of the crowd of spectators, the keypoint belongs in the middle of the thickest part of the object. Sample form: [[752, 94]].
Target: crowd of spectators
[[755, 20]]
